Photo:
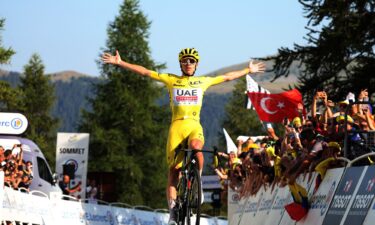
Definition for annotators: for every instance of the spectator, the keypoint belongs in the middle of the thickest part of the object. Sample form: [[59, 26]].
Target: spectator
[[2, 158], [329, 160], [65, 187], [92, 194], [23, 183], [313, 144]]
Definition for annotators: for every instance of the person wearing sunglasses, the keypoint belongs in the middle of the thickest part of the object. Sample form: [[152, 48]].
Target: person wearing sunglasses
[[186, 95]]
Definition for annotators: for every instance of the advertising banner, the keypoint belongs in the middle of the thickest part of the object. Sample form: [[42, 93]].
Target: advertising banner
[[306, 181], [321, 199], [343, 195], [1, 190], [238, 213], [370, 218], [98, 214], [277, 210], [68, 212], [31, 209], [211, 182], [363, 199], [26, 207], [251, 208], [285, 218], [12, 123], [266, 203], [233, 200], [71, 160], [147, 217]]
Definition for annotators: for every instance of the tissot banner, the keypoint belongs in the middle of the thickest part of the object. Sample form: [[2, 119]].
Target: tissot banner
[[343, 195], [363, 199], [321, 199], [71, 159]]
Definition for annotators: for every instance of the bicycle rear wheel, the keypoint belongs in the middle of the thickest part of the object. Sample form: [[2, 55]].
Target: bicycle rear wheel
[[182, 189], [193, 204]]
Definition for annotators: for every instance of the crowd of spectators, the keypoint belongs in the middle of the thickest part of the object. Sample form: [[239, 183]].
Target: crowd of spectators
[[312, 142], [17, 172]]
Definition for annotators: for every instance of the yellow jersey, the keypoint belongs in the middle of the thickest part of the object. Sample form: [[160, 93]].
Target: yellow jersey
[[186, 93]]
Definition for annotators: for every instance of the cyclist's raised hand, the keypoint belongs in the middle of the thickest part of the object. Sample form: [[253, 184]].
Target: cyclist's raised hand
[[259, 67], [111, 59]]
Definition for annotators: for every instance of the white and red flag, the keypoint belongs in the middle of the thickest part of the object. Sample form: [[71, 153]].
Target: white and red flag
[[253, 86], [275, 107]]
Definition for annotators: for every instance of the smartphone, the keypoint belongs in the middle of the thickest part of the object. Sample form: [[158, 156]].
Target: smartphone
[[365, 106], [285, 121]]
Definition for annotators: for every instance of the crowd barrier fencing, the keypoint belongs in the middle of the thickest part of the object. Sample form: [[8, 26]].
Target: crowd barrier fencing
[[36, 208], [345, 196]]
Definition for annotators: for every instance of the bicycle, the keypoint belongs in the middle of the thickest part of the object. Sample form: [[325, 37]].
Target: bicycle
[[189, 190]]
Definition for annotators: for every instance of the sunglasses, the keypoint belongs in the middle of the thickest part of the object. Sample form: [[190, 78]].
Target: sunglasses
[[188, 61]]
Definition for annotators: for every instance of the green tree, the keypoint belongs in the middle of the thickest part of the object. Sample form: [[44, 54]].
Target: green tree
[[9, 101], [127, 129], [7, 94], [238, 119], [36, 102], [339, 54], [5, 54]]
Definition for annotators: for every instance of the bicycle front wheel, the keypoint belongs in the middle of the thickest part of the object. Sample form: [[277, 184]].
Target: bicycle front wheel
[[194, 197]]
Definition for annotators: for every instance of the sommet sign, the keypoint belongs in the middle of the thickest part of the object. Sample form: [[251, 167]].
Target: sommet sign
[[12, 123]]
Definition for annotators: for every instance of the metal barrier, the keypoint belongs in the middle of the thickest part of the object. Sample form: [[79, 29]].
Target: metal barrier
[[38, 193], [68, 197], [94, 201], [147, 208], [161, 210], [344, 159], [361, 157], [78, 211], [120, 204]]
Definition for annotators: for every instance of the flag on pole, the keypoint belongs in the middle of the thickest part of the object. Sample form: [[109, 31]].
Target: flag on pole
[[253, 86], [230, 144], [275, 107]]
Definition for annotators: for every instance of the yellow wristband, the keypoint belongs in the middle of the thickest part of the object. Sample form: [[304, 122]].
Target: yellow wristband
[[247, 70]]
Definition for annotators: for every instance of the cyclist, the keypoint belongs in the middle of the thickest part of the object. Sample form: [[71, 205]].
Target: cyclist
[[186, 95]]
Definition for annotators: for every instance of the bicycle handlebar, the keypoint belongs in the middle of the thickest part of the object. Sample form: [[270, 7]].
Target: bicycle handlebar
[[196, 150]]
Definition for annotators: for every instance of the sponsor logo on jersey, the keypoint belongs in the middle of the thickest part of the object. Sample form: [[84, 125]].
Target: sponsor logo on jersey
[[195, 83], [192, 96]]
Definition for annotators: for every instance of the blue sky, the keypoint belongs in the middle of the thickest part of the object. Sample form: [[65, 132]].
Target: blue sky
[[69, 34]]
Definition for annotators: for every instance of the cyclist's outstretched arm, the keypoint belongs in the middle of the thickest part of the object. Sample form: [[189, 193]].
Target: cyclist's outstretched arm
[[253, 68], [116, 60]]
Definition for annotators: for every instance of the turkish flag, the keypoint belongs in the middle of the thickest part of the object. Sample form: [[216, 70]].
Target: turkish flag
[[275, 107]]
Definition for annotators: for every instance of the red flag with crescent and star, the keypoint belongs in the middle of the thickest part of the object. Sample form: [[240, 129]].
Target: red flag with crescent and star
[[275, 107]]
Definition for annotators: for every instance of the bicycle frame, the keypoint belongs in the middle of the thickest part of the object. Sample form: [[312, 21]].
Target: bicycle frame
[[188, 171]]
